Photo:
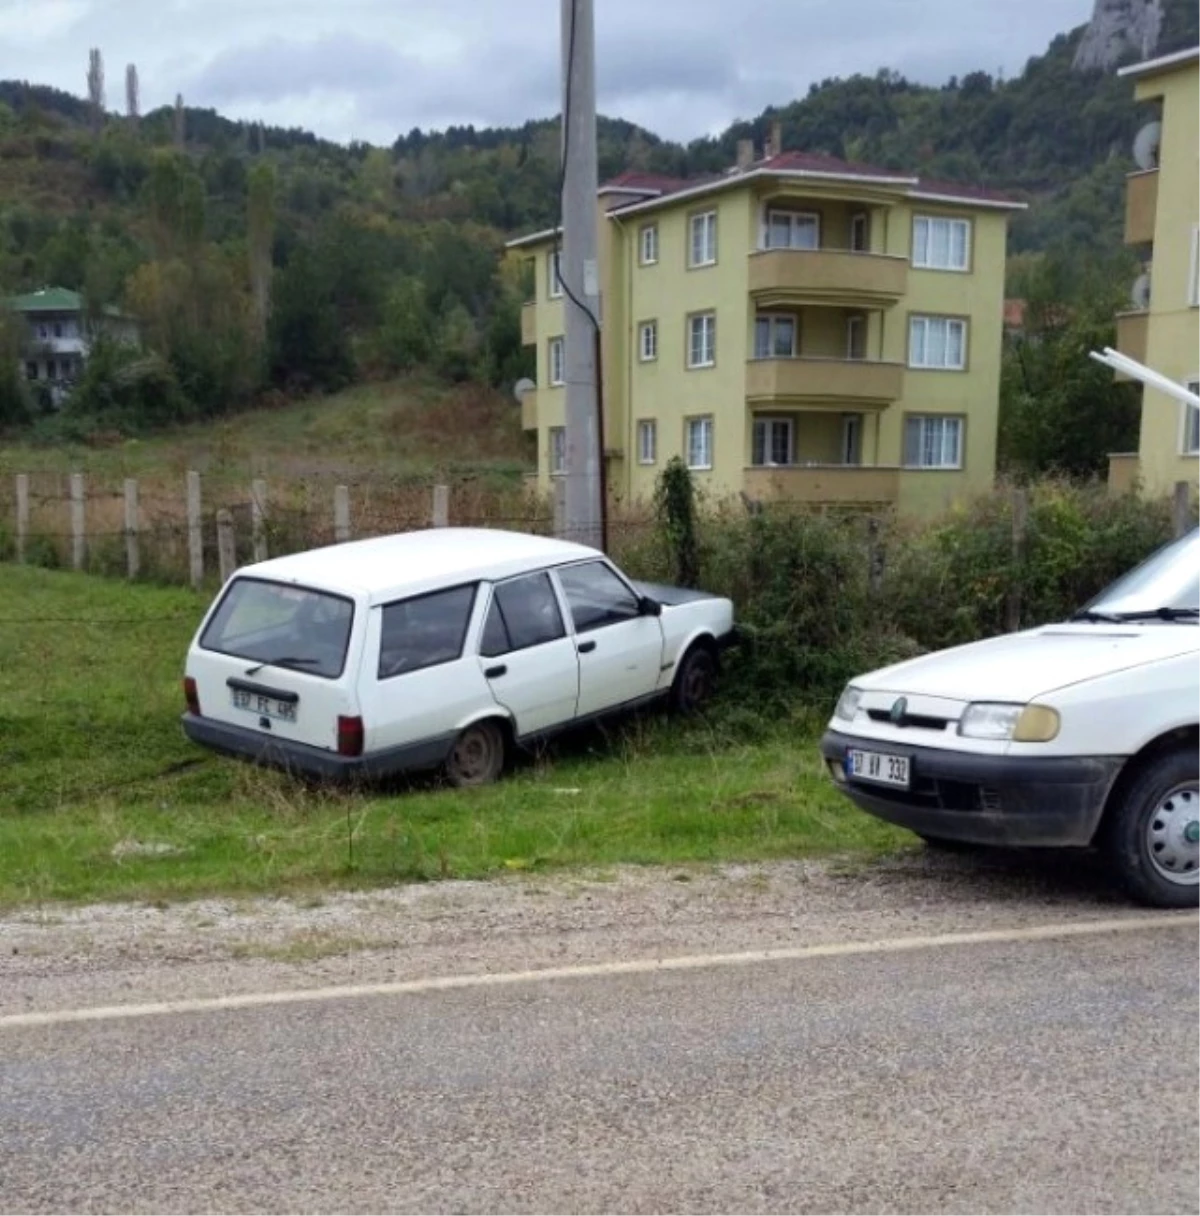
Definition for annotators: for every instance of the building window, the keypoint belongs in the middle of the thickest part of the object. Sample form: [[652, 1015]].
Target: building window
[[793, 230], [647, 441], [31, 369], [852, 439], [557, 359], [773, 442], [648, 244], [648, 341], [856, 337], [698, 434], [703, 246], [554, 274], [941, 244], [774, 337], [558, 451], [937, 342], [860, 232], [932, 441], [1191, 424], [702, 340]]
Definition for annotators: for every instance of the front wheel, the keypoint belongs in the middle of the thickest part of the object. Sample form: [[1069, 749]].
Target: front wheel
[[477, 757], [1152, 837], [694, 681]]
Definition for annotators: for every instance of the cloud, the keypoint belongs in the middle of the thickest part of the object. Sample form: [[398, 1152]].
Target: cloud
[[369, 69]]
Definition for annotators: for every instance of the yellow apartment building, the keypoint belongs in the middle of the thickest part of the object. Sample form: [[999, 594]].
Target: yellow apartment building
[[796, 328], [1162, 219]]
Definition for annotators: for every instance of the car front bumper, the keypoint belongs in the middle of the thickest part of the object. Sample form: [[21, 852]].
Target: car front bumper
[[301, 758], [1021, 802]]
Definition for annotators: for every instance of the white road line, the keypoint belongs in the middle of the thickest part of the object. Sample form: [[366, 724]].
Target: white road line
[[692, 962]]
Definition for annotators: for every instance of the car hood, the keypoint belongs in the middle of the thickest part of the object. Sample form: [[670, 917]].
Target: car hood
[[671, 596], [1021, 666]]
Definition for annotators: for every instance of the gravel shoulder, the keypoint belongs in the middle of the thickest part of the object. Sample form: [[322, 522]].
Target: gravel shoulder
[[63, 957]]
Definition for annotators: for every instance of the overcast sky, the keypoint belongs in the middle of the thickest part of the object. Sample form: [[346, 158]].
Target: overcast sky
[[369, 69]]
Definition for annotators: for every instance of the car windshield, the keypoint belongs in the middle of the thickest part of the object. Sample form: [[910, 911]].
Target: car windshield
[[1166, 586], [280, 625]]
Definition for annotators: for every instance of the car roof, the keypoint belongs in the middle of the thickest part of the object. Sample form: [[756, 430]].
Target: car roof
[[384, 568]]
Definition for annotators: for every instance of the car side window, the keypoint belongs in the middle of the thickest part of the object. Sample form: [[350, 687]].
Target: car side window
[[424, 631], [524, 613], [597, 597]]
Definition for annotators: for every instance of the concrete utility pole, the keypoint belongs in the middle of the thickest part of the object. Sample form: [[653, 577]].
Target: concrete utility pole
[[581, 275]]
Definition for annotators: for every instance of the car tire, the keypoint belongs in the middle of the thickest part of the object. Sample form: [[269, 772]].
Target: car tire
[[694, 680], [943, 844], [477, 757], [1151, 834]]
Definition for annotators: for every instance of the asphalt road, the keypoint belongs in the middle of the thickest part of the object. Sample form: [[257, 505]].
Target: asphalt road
[[1032, 1074]]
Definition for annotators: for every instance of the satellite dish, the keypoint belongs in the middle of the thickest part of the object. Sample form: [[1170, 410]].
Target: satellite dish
[[1140, 294], [523, 386], [1145, 146]]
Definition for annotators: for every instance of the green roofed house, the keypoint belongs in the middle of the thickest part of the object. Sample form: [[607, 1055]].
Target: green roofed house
[[59, 335]]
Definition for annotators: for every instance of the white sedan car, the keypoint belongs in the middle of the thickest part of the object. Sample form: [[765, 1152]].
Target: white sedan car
[[1076, 734], [443, 648]]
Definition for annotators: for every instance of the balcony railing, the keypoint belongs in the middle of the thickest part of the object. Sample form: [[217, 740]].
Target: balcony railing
[[1132, 330], [859, 382], [823, 483], [529, 323], [1141, 206], [529, 413], [835, 277]]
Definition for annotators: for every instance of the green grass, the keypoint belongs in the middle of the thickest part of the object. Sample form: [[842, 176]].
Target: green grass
[[408, 428], [92, 760]]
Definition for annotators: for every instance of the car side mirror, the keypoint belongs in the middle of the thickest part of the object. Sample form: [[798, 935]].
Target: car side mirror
[[649, 607]]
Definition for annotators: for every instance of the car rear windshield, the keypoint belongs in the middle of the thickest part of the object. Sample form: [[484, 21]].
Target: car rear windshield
[[282, 626]]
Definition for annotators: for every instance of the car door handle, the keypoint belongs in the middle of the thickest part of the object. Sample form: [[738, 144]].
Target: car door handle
[[586, 647], [494, 673]]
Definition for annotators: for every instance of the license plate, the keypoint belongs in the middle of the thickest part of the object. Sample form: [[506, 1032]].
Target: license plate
[[881, 767], [264, 706]]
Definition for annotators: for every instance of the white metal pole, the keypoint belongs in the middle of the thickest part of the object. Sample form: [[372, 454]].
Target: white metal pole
[[580, 272]]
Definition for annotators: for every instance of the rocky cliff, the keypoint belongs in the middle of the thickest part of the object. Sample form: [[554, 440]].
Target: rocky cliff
[[1119, 28]]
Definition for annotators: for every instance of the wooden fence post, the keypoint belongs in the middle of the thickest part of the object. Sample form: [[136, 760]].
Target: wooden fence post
[[258, 513], [195, 535], [132, 556], [226, 547], [78, 522], [1181, 508], [341, 514], [1020, 530], [441, 506], [22, 514], [559, 489], [875, 557]]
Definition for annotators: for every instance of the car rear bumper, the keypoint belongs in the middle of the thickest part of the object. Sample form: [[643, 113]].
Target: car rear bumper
[[998, 800], [300, 758]]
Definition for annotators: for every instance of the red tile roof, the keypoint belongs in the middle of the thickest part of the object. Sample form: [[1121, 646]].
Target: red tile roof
[[660, 185]]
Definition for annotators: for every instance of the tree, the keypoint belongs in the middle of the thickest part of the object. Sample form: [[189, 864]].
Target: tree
[[132, 100], [260, 236], [1060, 411], [95, 86], [180, 128]]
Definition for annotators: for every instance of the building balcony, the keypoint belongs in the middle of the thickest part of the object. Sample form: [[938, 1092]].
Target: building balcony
[[837, 278], [1141, 206], [1123, 469], [862, 383], [1132, 330], [823, 483], [529, 413], [529, 323]]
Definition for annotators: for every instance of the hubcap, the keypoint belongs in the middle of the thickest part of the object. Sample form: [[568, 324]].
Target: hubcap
[[1173, 835], [472, 756]]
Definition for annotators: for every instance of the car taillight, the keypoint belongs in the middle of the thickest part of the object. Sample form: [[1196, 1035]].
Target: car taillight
[[191, 696], [350, 736]]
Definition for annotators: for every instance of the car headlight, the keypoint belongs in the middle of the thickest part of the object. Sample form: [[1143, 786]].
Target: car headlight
[[1020, 723], [847, 705]]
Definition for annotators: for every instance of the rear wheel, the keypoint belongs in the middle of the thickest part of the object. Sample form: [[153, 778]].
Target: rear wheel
[[477, 757], [1152, 834], [694, 681]]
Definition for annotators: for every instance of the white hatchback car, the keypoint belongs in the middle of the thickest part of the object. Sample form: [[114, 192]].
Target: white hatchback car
[[1074, 734], [442, 648]]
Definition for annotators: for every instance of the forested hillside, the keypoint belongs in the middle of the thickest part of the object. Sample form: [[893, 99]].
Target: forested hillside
[[263, 257]]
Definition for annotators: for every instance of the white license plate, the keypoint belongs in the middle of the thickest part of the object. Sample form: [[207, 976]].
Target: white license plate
[[264, 706], [880, 767]]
